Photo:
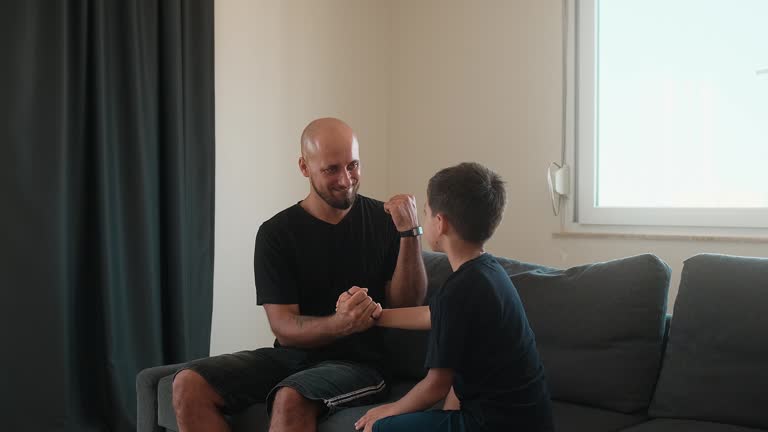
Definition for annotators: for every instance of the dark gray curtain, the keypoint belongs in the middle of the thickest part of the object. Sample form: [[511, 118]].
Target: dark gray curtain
[[106, 203]]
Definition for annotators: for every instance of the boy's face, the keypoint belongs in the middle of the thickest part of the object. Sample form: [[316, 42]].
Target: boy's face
[[431, 229]]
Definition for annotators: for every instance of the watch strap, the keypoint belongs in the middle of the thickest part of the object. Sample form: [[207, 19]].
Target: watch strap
[[413, 232]]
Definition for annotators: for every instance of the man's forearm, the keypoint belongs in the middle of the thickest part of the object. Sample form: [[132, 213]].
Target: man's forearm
[[409, 283], [302, 331], [410, 318]]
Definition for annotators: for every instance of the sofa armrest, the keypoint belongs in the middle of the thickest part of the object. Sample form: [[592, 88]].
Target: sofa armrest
[[146, 396]]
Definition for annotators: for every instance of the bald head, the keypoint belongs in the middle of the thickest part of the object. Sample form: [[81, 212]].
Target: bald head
[[327, 135], [330, 158]]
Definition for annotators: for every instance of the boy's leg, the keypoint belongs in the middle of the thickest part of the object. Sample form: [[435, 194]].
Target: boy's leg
[[206, 389], [427, 421]]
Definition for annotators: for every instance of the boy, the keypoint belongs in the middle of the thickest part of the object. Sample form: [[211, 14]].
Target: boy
[[482, 355]]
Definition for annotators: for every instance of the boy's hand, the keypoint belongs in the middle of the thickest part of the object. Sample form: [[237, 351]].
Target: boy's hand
[[402, 208], [366, 422]]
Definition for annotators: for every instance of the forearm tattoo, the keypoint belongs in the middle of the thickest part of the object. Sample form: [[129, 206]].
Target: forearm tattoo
[[302, 319]]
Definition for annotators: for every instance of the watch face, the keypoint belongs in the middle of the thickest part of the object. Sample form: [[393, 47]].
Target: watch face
[[412, 232]]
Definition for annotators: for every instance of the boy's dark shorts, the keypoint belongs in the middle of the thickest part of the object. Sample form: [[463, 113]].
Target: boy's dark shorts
[[249, 377]]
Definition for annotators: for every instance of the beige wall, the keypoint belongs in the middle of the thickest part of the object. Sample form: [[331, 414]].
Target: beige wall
[[427, 84], [279, 64], [481, 80]]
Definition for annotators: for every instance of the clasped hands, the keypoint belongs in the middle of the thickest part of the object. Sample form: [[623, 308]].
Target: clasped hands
[[356, 310]]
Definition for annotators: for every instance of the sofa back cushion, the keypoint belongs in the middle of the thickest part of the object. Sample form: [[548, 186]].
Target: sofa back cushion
[[600, 329], [716, 364]]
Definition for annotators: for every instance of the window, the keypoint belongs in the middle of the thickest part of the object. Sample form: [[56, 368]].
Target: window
[[671, 112]]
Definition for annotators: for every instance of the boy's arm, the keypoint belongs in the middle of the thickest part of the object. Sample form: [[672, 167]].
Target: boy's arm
[[452, 402], [412, 318], [424, 395]]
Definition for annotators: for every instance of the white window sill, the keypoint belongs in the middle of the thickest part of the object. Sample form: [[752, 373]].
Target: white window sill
[[662, 237]]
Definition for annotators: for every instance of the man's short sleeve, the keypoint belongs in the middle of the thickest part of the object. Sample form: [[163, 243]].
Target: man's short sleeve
[[275, 283], [450, 331]]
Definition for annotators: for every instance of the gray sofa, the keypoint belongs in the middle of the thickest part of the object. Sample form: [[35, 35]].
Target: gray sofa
[[614, 359]]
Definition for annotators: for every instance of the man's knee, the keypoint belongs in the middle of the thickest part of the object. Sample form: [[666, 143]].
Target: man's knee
[[191, 392], [290, 402]]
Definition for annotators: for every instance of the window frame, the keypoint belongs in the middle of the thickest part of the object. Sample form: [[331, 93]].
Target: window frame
[[581, 146]]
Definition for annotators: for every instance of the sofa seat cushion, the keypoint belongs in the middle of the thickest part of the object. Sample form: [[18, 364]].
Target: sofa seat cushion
[[715, 366], [665, 425], [599, 329], [255, 417], [570, 417]]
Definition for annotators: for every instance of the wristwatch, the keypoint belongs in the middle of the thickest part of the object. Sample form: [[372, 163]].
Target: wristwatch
[[413, 232]]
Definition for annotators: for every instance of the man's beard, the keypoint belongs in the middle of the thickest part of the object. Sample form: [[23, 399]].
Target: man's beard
[[337, 203]]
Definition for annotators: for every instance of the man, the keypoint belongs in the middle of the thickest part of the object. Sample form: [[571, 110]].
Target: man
[[334, 245]]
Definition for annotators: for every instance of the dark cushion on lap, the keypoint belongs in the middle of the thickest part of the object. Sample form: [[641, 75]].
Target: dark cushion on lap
[[716, 362]]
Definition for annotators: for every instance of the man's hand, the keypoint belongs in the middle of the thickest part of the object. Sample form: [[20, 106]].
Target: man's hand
[[366, 421], [356, 310], [402, 208]]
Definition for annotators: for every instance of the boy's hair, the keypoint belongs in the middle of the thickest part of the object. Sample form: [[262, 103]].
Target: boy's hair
[[471, 197]]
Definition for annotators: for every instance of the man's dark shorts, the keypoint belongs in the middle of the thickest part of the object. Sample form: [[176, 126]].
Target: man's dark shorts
[[249, 377]]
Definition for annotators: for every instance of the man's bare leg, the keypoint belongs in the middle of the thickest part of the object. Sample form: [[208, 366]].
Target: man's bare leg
[[291, 412], [197, 404]]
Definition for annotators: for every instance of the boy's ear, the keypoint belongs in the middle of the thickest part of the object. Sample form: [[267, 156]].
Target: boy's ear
[[441, 224]]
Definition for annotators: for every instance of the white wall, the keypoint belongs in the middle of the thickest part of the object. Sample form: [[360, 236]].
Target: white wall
[[280, 64], [481, 80]]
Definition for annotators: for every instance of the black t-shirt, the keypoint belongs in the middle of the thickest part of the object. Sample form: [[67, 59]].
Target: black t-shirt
[[302, 260], [480, 330]]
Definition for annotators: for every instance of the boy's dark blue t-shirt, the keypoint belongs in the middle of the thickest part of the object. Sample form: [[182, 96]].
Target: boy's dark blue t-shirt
[[480, 330]]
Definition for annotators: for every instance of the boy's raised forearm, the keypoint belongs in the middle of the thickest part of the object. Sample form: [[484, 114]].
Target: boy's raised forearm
[[411, 318]]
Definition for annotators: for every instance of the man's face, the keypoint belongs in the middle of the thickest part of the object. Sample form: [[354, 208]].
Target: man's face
[[335, 176]]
